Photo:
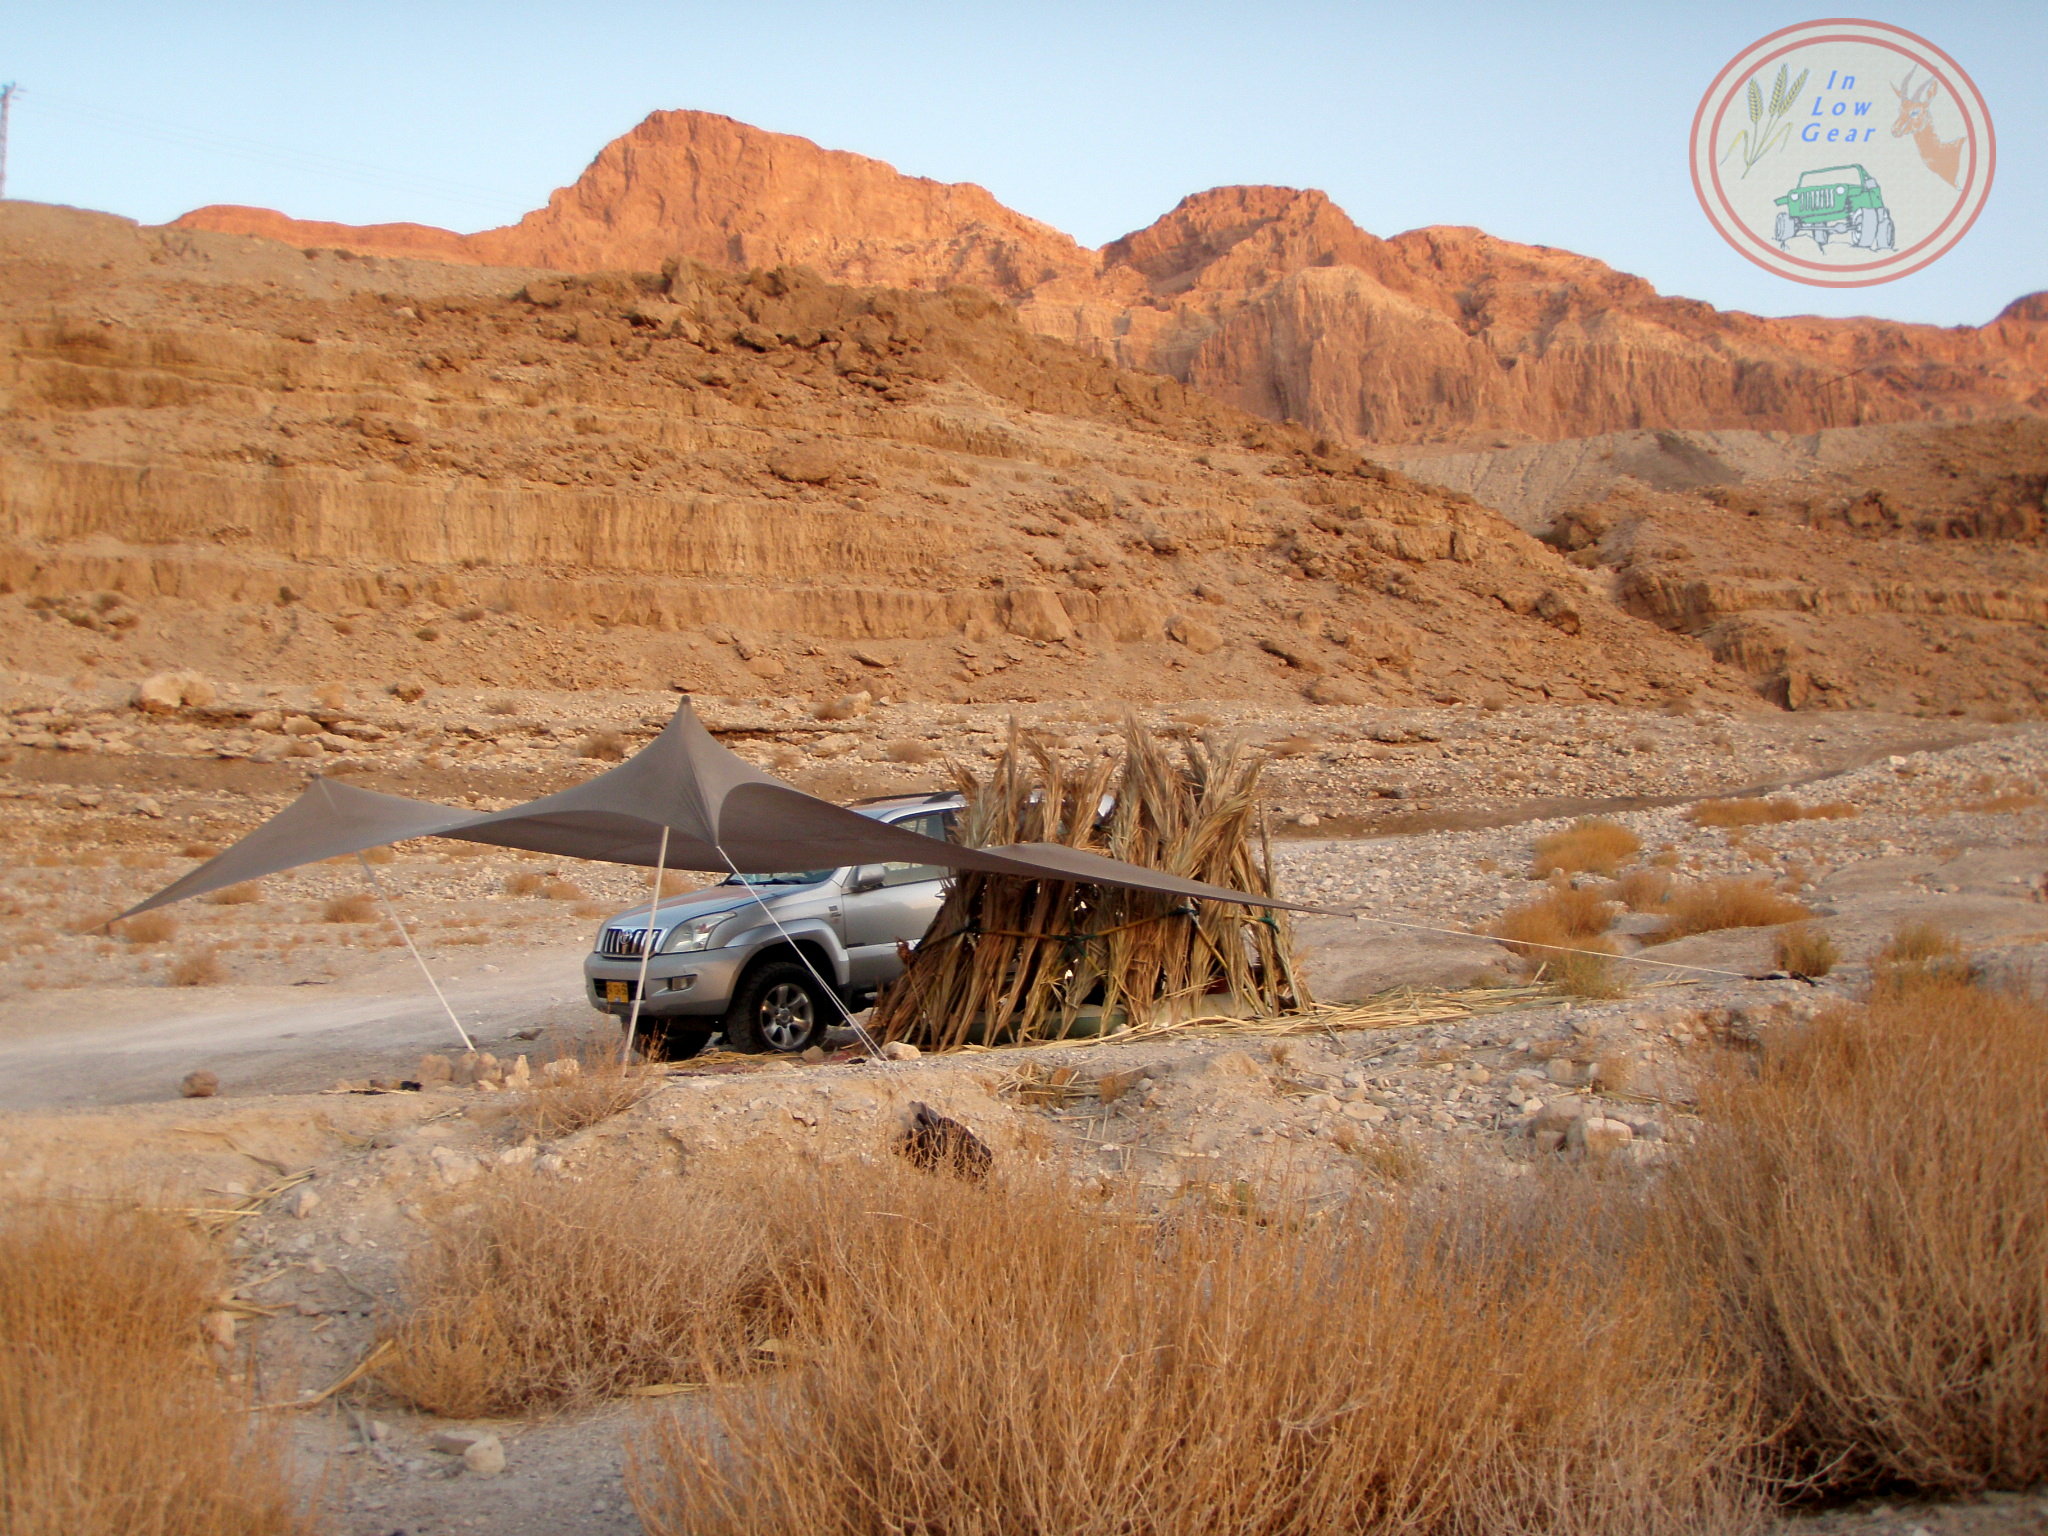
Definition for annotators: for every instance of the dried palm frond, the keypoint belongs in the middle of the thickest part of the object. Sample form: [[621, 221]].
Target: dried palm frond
[[1022, 960]]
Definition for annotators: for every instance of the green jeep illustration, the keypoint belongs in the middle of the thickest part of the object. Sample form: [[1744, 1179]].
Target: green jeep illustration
[[1837, 200]]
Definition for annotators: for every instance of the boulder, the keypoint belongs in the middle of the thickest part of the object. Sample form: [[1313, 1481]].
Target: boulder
[[166, 692]]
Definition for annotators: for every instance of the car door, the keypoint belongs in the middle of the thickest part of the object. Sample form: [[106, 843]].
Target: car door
[[900, 907]]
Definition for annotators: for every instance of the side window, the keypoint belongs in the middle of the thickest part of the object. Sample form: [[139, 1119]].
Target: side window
[[930, 824]]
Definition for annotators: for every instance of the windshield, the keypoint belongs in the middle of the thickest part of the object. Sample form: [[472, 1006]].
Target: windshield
[[781, 877], [1832, 175]]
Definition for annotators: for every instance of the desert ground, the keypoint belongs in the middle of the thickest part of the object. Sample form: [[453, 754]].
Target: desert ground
[[1439, 1057]]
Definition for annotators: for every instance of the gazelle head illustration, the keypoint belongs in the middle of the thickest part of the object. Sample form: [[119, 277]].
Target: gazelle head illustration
[[1913, 114]]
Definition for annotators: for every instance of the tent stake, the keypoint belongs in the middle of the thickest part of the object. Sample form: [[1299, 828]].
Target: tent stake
[[647, 945], [399, 923]]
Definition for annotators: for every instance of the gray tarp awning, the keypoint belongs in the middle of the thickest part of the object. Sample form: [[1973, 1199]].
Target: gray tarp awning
[[722, 814]]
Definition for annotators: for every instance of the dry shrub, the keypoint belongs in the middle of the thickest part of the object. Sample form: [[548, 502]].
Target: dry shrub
[[503, 706], [595, 1087], [909, 751], [1918, 951], [1755, 812], [1804, 950], [562, 890], [1565, 918], [1708, 906], [358, 907], [1643, 890], [197, 851], [112, 1420], [1872, 1206], [1295, 746], [544, 1293], [236, 895], [1587, 975], [1592, 846], [603, 746], [157, 927], [198, 968], [991, 1357], [526, 882]]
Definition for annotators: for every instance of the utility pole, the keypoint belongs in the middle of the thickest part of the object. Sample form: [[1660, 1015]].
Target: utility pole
[[6, 107]]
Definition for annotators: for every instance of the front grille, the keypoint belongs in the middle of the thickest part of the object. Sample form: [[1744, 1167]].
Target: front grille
[[1814, 199], [626, 943]]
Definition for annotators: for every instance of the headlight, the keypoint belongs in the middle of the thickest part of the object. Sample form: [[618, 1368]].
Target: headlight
[[692, 935]]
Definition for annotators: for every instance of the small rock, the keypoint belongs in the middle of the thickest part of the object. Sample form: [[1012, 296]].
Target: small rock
[[1597, 1136], [486, 1458], [520, 1076], [305, 1202], [516, 1157], [200, 1085], [454, 1166], [454, 1442], [434, 1070], [812, 1054], [219, 1328], [900, 1050], [170, 691]]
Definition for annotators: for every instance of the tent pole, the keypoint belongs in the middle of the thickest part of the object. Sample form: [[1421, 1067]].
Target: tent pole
[[399, 923], [830, 991], [647, 945]]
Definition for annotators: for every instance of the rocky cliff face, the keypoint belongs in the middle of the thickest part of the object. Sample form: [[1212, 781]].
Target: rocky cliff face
[[217, 452], [1267, 297]]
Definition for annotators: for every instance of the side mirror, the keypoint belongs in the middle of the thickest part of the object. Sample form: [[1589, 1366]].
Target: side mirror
[[868, 877]]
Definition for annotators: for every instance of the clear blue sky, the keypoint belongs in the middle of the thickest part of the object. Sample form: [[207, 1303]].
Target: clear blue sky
[[1558, 125]]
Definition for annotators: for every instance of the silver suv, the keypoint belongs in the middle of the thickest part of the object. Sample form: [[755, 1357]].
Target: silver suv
[[746, 956]]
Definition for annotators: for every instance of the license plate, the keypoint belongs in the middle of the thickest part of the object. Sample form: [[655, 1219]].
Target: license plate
[[618, 991]]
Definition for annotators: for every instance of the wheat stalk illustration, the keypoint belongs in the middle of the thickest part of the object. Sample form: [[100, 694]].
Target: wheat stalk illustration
[[1766, 132]]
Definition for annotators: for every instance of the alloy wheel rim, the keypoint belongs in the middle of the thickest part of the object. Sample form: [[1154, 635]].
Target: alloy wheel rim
[[786, 1017]]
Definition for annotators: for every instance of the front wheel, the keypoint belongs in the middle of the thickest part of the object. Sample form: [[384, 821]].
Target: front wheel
[[779, 1008], [672, 1039], [1781, 231]]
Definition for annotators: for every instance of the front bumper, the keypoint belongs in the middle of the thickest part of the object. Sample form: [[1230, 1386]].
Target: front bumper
[[697, 983]]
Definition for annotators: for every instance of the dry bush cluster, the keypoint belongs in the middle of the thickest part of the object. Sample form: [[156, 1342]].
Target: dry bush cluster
[[581, 1091], [1589, 847], [113, 1421], [603, 747], [1804, 950], [198, 968], [536, 1295], [240, 895], [1871, 1205], [1708, 906], [1756, 812], [527, 882], [998, 1357], [358, 907]]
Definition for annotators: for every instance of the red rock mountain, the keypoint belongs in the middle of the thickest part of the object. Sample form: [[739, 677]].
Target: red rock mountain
[[1268, 297]]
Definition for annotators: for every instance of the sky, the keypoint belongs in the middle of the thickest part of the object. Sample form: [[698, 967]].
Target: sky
[[1562, 125]]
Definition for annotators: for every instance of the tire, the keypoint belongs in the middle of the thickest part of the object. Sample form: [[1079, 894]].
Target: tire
[[778, 1010], [1820, 236], [1884, 231], [673, 1039], [1782, 230], [1863, 229]]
